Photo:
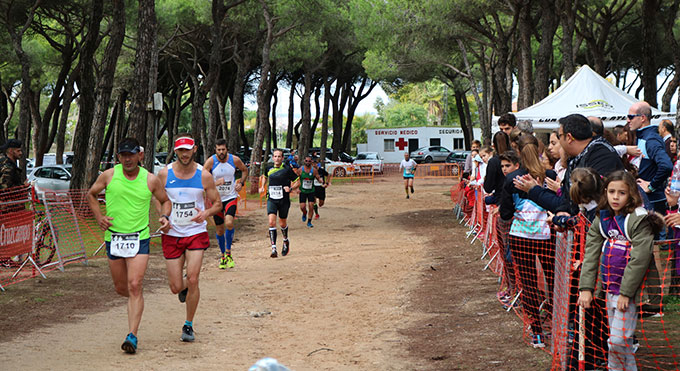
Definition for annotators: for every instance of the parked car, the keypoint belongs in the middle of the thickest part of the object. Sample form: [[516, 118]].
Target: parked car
[[457, 157], [430, 154], [338, 168], [51, 177], [367, 161], [342, 156]]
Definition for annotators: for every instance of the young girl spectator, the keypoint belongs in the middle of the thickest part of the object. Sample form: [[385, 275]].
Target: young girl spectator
[[619, 243], [530, 235]]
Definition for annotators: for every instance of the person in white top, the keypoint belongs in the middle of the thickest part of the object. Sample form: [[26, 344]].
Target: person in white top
[[187, 184], [409, 168], [222, 165]]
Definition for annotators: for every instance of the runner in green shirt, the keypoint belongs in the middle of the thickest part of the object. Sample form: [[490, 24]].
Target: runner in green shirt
[[126, 224]]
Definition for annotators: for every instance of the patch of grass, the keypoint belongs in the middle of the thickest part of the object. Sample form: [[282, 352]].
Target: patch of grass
[[671, 304], [39, 300]]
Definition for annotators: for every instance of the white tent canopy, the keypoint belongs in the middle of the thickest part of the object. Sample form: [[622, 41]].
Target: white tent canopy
[[589, 94]]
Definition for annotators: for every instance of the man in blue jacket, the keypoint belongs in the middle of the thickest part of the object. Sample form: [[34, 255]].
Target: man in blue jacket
[[655, 166]]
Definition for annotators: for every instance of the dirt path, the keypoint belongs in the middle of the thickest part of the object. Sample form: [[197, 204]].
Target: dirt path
[[355, 293]]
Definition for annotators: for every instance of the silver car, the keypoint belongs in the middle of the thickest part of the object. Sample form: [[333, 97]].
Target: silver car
[[430, 154], [367, 162], [52, 177]]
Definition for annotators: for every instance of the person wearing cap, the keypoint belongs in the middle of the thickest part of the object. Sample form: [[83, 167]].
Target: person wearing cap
[[129, 188], [10, 173], [222, 165], [186, 182]]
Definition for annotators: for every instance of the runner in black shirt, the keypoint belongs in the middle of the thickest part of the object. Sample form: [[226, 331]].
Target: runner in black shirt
[[279, 178], [320, 189]]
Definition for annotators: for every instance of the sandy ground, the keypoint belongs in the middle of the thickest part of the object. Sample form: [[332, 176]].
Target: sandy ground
[[336, 302]]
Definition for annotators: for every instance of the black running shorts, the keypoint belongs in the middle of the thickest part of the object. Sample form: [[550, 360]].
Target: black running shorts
[[306, 197], [278, 207]]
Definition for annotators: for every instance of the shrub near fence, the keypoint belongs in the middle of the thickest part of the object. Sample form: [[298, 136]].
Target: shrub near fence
[[544, 294]]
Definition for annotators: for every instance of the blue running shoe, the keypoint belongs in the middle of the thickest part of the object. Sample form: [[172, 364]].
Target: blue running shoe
[[130, 344], [304, 217], [187, 333], [309, 224]]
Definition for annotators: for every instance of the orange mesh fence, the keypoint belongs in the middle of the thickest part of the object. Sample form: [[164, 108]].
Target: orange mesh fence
[[540, 271], [17, 231], [440, 170]]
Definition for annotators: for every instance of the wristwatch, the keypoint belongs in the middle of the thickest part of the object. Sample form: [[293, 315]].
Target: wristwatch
[[166, 217]]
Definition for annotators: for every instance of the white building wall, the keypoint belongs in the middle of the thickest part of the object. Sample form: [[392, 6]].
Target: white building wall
[[391, 143]]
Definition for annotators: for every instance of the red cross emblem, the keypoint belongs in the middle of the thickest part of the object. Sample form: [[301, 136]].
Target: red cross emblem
[[401, 144]]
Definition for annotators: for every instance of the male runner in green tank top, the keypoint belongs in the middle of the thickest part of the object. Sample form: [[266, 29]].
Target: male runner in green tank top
[[126, 224], [307, 175]]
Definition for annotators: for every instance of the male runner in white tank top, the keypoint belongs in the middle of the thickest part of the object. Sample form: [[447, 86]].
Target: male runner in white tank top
[[185, 182], [222, 165]]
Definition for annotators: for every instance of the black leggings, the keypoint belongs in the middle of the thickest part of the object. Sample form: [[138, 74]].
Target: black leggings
[[524, 253]]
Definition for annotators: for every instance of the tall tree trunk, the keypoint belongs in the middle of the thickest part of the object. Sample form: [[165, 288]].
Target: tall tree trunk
[[317, 115], [63, 119], [87, 101], [103, 93], [236, 115], [650, 10], [275, 99], [291, 111], [464, 124], [324, 117], [23, 130], [303, 142], [357, 95], [526, 91], [549, 23], [484, 122], [339, 99], [121, 125], [568, 22], [140, 96]]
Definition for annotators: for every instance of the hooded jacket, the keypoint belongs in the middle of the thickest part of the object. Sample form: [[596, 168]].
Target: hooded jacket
[[638, 231]]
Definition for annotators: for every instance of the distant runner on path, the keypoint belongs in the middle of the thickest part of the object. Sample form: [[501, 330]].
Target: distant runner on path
[[222, 165], [320, 187], [185, 182], [126, 224], [308, 175], [409, 168], [277, 181]]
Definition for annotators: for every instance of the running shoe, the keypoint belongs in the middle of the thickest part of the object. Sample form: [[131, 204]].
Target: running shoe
[[537, 341], [183, 295], [407, 196], [286, 247], [223, 262], [130, 344], [304, 217], [411, 189], [309, 224], [187, 333], [316, 216], [229, 260], [273, 254]]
